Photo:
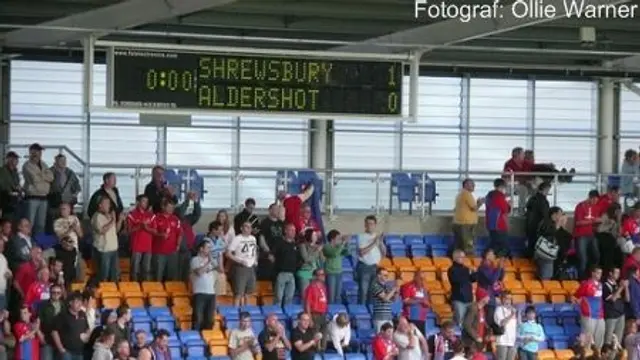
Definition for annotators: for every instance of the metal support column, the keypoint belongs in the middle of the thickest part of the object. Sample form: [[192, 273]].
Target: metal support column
[[236, 177], [5, 91], [161, 145], [321, 156], [531, 115], [87, 99], [606, 127], [465, 107]]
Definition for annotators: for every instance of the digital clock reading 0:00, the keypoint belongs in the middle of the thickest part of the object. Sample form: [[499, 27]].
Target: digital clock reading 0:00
[[141, 79]]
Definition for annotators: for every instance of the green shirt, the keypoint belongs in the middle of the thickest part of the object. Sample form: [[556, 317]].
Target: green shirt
[[333, 257], [310, 261]]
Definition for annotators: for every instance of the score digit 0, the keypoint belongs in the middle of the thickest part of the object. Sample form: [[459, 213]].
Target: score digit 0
[[392, 102]]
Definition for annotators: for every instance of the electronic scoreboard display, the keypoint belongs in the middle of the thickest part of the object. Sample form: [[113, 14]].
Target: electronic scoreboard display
[[139, 79]]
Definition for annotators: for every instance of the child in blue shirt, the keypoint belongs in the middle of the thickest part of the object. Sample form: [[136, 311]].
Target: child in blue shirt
[[530, 334]]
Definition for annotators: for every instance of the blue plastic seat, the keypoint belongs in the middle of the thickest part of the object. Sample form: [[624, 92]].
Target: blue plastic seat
[[553, 330], [186, 335], [433, 239], [271, 309], [397, 250], [354, 356], [439, 250], [357, 309], [292, 310], [411, 239], [418, 250], [403, 187], [253, 310], [176, 352], [393, 239]]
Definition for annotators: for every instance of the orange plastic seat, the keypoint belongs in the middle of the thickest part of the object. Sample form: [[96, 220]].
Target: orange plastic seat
[[429, 275], [158, 301], [402, 262], [181, 301], [152, 286], [557, 296], [551, 284], [385, 263], [252, 300], [510, 276], [125, 265], [513, 285], [266, 299], [135, 302], [107, 287], [422, 262], [77, 286], [442, 263], [438, 297], [526, 275], [111, 300], [519, 296], [444, 276], [224, 300], [570, 285], [129, 286], [565, 354], [537, 296], [175, 286], [265, 287], [546, 355], [476, 261], [433, 285], [532, 284], [218, 350]]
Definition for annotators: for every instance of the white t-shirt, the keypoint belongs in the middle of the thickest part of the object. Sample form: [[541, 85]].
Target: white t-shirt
[[4, 267], [402, 340], [508, 338], [245, 248], [236, 337]]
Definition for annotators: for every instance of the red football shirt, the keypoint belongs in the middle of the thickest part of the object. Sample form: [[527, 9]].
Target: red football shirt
[[315, 296], [27, 349], [381, 347], [292, 204], [141, 239], [415, 311], [585, 210], [166, 224], [26, 275]]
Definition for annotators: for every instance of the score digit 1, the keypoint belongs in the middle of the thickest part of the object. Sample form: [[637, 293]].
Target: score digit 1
[[392, 75]]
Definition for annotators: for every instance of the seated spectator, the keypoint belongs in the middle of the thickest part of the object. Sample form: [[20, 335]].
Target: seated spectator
[[461, 279], [121, 328], [521, 182], [415, 301], [28, 336], [273, 339], [228, 231], [340, 333], [247, 216], [108, 190], [38, 292], [615, 293], [310, 254], [37, 184], [441, 345], [303, 340], [506, 319], [10, 189], [334, 251], [607, 234], [6, 231], [158, 349], [383, 346], [409, 340], [292, 204], [285, 257], [537, 214], [586, 216], [243, 252], [497, 218], [458, 352], [139, 225], [629, 176], [166, 243], [105, 225], [474, 326], [123, 351], [140, 342], [47, 314], [157, 190], [315, 304], [530, 335], [20, 244], [589, 295], [631, 340], [203, 280], [243, 343], [189, 213], [102, 347], [465, 217], [89, 307]]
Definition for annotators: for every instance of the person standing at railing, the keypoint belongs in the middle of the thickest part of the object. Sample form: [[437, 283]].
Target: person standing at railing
[[64, 188], [537, 216], [465, 217], [586, 217], [247, 215], [371, 249], [109, 190], [497, 218], [158, 189], [10, 189], [518, 164], [612, 196], [629, 176], [292, 204], [37, 184]]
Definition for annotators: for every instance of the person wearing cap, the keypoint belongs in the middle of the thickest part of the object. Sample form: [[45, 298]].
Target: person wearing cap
[[10, 189], [37, 185], [474, 326]]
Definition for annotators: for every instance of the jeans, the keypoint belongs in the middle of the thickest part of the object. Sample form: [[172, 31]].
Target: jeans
[[459, 311], [499, 243], [285, 289], [166, 267], [140, 266], [505, 352], [301, 284], [527, 355], [204, 306], [37, 214], [545, 269], [365, 275], [587, 247], [107, 265], [47, 352], [334, 287]]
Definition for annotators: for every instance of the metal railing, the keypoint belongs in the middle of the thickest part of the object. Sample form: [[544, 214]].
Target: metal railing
[[367, 190]]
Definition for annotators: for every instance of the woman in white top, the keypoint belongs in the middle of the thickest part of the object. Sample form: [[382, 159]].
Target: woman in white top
[[68, 226], [411, 343], [340, 332], [506, 318], [228, 233]]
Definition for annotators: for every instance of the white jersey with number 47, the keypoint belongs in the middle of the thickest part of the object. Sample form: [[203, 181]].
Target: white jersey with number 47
[[245, 248]]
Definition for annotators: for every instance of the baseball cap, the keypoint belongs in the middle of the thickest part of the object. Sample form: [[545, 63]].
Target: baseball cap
[[12, 154], [36, 146]]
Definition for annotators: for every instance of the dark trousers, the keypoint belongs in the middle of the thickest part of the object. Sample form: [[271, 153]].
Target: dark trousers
[[499, 242], [140, 266], [204, 306], [320, 326], [588, 253], [166, 267], [420, 324], [527, 355], [184, 265], [610, 254]]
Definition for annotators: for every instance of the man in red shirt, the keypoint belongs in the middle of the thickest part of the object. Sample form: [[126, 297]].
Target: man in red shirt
[[415, 301], [306, 221], [166, 242], [316, 304], [497, 208], [521, 183], [26, 273], [585, 218], [612, 196], [291, 204], [383, 346], [141, 237], [632, 261]]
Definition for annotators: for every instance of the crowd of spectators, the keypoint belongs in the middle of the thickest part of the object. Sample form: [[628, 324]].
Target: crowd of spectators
[[43, 318]]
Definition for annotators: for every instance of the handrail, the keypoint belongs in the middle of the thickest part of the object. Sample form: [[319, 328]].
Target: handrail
[[75, 156]]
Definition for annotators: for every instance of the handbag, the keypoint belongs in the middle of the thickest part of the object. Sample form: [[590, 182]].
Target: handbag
[[546, 249], [496, 328], [54, 198]]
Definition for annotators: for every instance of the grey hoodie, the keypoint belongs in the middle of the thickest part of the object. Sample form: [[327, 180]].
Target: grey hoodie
[[101, 352]]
